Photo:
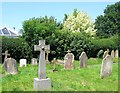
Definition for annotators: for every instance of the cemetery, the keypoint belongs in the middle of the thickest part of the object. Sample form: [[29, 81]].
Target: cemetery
[[59, 57]]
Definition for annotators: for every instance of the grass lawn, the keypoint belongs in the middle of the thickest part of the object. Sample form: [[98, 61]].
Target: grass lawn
[[78, 79]]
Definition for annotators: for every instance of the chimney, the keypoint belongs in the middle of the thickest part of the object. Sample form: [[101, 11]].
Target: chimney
[[14, 28]]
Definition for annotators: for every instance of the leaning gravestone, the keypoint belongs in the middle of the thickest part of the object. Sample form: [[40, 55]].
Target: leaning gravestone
[[11, 66], [23, 62], [83, 60], [100, 53], [112, 54], [34, 61], [68, 60], [116, 54], [106, 67], [42, 83]]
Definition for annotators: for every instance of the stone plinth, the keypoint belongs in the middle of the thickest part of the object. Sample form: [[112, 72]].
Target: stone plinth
[[42, 84]]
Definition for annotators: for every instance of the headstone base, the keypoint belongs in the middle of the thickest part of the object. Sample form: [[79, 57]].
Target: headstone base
[[42, 84]]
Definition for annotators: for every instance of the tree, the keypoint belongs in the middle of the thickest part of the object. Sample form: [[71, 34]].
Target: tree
[[79, 22], [109, 24]]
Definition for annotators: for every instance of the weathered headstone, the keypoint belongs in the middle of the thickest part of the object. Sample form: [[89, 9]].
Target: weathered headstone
[[54, 62], [83, 60], [68, 60], [112, 54], [11, 66], [116, 53], [34, 61], [23, 62], [42, 83], [47, 53], [106, 67]]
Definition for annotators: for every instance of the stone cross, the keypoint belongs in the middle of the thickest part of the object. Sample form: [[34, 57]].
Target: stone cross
[[6, 54], [47, 53], [42, 63]]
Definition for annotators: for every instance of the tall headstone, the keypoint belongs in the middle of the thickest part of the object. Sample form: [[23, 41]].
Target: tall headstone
[[83, 60], [11, 66], [116, 53], [34, 61], [47, 54], [23, 62], [69, 60], [106, 67], [42, 83], [112, 54]]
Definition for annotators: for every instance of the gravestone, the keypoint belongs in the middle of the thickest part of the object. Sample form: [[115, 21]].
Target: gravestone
[[11, 66], [83, 60], [105, 54], [100, 53], [116, 53], [34, 61], [6, 55], [47, 54], [42, 83], [106, 67], [68, 60], [112, 54], [54, 62], [23, 62]]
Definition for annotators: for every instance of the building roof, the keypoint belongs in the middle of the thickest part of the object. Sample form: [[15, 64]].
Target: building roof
[[8, 32]]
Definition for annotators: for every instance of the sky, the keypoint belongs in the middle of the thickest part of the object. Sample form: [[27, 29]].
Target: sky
[[15, 13]]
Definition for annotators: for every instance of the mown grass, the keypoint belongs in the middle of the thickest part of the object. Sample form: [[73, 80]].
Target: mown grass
[[78, 79]]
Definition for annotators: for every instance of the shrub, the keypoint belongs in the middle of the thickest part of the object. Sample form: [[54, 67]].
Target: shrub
[[17, 48]]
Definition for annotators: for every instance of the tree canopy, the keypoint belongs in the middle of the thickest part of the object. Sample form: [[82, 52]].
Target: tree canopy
[[109, 24]]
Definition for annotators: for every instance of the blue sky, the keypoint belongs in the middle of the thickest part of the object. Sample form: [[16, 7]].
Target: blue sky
[[13, 14]]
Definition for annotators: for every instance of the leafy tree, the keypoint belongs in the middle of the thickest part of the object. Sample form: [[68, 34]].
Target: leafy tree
[[109, 24], [79, 22]]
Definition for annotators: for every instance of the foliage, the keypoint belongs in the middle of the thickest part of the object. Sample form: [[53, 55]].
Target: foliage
[[109, 24], [86, 79], [104, 44], [79, 22], [17, 48]]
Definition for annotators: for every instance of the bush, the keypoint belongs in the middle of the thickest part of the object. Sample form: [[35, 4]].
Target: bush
[[17, 48]]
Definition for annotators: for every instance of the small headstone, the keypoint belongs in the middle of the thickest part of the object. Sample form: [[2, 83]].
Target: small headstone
[[42, 83], [11, 66], [68, 60], [34, 61], [54, 62], [105, 54], [112, 54], [100, 53], [23, 62], [106, 67], [83, 60], [116, 53]]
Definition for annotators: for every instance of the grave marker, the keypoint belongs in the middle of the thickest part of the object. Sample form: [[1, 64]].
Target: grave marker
[[42, 83]]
